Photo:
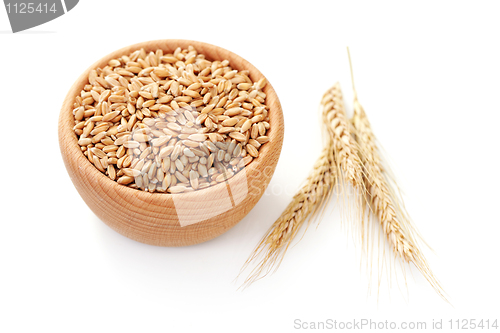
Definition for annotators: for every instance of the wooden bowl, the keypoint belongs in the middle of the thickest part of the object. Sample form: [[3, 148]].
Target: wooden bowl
[[172, 219]]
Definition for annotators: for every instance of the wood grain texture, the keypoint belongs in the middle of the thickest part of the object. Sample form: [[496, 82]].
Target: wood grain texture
[[156, 218]]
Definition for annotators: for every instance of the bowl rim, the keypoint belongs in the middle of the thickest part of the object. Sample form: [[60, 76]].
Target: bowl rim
[[71, 151]]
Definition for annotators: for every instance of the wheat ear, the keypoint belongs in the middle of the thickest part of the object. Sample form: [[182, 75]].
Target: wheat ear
[[346, 156], [345, 148], [384, 202], [305, 205]]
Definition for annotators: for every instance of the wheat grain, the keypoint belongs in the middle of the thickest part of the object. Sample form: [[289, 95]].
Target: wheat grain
[[144, 108]]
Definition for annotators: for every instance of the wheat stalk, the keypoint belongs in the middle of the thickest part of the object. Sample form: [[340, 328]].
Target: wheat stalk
[[350, 156], [305, 205], [340, 155], [383, 201]]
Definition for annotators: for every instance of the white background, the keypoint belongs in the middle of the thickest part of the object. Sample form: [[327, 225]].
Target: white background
[[428, 75]]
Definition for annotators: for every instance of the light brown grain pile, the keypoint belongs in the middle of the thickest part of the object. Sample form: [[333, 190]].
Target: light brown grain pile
[[170, 122]]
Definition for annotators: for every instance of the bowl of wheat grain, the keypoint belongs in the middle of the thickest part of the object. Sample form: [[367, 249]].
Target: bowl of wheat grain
[[171, 142]]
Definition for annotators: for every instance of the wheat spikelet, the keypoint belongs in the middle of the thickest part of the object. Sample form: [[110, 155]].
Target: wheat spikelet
[[383, 200], [345, 148], [305, 205]]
